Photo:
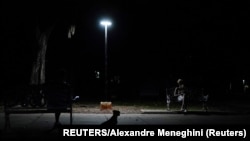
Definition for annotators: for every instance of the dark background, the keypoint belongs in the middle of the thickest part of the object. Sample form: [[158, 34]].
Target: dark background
[[151, 44]]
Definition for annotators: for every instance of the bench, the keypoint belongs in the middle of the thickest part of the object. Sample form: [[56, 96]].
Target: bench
[[193, 96], [58, 100], [30, 110]]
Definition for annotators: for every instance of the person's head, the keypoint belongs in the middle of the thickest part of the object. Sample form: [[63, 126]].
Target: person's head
[[179, 81]]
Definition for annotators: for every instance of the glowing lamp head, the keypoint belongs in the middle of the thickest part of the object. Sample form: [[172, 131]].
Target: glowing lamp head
[[106, 23]]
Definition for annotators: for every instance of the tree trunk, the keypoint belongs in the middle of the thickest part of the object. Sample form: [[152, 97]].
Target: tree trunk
[[38, 69]]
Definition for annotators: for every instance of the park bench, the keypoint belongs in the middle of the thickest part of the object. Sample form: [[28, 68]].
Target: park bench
[[58, 100], [194, 96]]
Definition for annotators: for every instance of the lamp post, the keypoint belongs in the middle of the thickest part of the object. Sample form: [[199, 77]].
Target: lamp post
[[106, 24]]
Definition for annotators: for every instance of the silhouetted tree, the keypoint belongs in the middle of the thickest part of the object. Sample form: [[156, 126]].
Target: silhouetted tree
[[38, 69]]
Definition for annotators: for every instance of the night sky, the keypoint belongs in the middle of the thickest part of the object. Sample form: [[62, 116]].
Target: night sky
[[150, 41]]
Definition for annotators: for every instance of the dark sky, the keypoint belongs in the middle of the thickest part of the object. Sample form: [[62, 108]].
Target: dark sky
[[149, 39]]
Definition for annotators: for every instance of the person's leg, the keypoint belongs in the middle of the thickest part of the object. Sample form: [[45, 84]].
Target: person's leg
[[205, 108], [57, 123], [204, 103], [57, 116], [168, 102], [184, 104]]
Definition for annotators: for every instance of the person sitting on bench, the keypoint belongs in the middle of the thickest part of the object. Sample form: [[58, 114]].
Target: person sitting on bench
[[181, 93]]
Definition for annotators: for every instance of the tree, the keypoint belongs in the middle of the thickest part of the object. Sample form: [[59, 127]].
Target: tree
[[38, 69]]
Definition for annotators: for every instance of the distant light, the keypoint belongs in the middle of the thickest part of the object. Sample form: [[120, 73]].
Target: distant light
[[243, 81], [106, 23]]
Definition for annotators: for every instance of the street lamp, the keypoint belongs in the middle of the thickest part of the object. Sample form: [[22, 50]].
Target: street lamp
[[106, 24]]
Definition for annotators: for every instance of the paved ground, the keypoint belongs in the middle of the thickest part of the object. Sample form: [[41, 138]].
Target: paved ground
[[40, 125]]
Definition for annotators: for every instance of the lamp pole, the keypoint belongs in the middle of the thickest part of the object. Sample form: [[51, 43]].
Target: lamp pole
[[106, 24]]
